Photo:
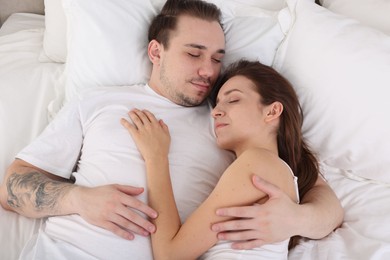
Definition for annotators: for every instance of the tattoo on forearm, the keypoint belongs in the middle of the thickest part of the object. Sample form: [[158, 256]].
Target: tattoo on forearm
[[35, 189]]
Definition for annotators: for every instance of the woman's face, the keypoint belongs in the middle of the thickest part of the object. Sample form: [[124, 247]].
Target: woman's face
[[239, 114]]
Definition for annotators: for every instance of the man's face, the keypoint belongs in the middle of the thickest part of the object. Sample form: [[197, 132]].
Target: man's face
[[191, 64]]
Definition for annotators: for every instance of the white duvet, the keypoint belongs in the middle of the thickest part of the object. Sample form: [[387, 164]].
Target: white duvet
[[365, 232], [26, 89], [26, 85]]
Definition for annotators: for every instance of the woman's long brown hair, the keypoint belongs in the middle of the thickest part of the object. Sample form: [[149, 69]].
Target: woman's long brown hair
[[292, 148]]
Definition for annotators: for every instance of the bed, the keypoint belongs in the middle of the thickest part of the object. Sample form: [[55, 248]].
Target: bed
[[336, 54]]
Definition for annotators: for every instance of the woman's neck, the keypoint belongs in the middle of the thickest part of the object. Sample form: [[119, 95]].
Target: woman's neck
[[269, 146]]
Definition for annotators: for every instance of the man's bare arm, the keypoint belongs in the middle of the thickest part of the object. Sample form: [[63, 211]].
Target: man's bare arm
[[35, 193], [322, 209]]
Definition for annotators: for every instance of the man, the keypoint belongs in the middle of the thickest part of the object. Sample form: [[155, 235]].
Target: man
[[90, 217]]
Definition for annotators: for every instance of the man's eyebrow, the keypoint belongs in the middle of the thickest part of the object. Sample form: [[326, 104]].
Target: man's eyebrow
[[202, 47]]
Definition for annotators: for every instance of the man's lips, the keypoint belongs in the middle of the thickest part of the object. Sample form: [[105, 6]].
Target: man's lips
[[201, 85]]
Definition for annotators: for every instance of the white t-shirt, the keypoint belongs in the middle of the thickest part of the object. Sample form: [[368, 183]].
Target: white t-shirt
[[109, 155]]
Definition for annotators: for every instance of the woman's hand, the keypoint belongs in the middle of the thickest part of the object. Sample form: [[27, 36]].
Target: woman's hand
[[150, 135]]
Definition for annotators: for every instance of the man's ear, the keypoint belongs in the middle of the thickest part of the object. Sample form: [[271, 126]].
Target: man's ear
[[274, 111], [154, 51]]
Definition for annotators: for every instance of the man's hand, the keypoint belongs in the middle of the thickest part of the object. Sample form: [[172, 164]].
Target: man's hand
[[256, 225], [115, 208]]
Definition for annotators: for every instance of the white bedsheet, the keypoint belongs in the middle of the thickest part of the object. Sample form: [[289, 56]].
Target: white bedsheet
[[26, 88], [22, 21], [365, 233]]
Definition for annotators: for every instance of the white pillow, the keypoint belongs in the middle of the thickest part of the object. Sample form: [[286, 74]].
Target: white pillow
[[341, 72], [251, 32], [54, 42], [54, 39], [107, 40], [374, 13], [107, 43]]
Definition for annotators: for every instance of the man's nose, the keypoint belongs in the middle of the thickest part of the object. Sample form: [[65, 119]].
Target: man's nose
[[208, 69]]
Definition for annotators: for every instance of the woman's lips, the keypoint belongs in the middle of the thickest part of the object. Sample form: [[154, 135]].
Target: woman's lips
[[219, 125]]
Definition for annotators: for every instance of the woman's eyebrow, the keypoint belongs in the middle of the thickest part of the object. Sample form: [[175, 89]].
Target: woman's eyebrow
[[232, 90], [228, 92]]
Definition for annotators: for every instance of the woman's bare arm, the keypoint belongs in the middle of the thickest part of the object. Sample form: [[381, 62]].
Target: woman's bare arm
[[233, 189], [194, 237]]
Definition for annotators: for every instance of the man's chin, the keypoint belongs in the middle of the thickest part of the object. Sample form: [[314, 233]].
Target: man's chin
[[191, 101]]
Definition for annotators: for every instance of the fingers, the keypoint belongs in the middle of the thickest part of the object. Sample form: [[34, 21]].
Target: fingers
[[150, 116], [140, 206], [243, 240], [238, 212], [238, 236], [124, 218], [241, 229], [110, 226], [126, 227], [127, 221], [244, 219], [233, 225], [123, 227], [130, 190], [263, 185], [140, 119], [117, 209], [163, 126], [241, 233], [131, 128], [130, 220], [134, 203]]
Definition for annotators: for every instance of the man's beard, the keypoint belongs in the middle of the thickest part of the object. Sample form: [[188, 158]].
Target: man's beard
[[175, 95]]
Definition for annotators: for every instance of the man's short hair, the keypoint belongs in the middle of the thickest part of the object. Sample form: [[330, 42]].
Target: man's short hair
[[166, 22]]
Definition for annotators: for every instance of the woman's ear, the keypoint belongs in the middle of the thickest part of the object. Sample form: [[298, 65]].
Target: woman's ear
[[274, 111], [154, 51]]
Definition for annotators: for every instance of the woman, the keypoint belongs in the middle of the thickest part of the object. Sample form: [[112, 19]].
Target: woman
[[258, 117]]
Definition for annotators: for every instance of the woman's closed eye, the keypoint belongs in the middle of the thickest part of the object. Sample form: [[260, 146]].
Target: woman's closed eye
[[233, 100]]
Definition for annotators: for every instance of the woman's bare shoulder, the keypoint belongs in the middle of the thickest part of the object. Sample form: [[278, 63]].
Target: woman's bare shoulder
[[260, 156], [270, 167]]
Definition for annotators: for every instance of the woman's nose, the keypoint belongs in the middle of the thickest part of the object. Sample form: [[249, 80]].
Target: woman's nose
[[216, 112]]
